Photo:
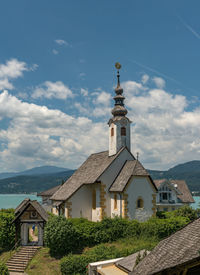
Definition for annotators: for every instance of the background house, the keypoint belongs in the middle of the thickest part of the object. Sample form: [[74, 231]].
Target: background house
[[172, 194]]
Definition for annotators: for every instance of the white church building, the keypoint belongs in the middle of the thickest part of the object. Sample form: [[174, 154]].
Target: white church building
[[111, 183]]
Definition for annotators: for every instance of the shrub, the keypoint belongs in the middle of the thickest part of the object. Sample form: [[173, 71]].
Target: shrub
[[74, 264], [161, 228], [77, 264], [187, 212], [87, 230], [133, 229], [61, 236], [3, 269], [7, 229]]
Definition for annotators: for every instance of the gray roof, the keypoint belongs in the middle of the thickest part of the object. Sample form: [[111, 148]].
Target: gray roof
[[130, 168], [21, 205], [36, 205], [49, 192], [87, 173], [179, 248], [185, 195], [128, 262]]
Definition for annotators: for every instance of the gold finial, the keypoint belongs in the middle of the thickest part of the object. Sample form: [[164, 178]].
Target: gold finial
[[118, 65]]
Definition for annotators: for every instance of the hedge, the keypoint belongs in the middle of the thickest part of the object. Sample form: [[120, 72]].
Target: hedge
[[61, 236], [7, 229]]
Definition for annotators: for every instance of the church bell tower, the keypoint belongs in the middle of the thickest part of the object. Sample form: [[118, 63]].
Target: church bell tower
[[119, 124]]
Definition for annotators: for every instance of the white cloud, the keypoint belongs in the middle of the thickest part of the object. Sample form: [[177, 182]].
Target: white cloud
[[11, 70], [163, 130], [84, 92], [52, 90], [37, 134], [61, 42], [145, 78], [160, 82], [55, 52], [103, 98]]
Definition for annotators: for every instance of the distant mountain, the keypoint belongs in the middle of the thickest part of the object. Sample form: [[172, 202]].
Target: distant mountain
[[34, 171], [42, 178], [33, 183], [189, 171]]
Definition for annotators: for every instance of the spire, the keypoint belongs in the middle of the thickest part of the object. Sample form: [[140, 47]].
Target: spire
[[119, 109]]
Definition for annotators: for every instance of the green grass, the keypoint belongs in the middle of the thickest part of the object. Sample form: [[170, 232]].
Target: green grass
[[5, 256], [43, 264]]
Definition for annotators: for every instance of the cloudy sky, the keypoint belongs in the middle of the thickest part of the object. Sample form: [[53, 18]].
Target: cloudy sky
[[57, 77]]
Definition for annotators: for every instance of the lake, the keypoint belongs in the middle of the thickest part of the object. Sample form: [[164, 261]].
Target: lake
[[13, 200]]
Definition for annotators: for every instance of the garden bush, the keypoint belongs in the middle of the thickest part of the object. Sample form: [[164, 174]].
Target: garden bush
[[77, 264], [133, 229], [61, 236], [74, 264], [108, 230], [7, 229], [184, 211], [161, 228], [3, 269]]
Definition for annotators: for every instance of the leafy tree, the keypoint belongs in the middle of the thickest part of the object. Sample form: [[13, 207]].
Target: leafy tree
[[61, 236]]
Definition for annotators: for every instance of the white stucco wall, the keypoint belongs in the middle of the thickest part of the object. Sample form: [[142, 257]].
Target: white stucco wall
[[118, 210], [110, 174], [140, 187], [117, 141], [82, 203], [96, 213]]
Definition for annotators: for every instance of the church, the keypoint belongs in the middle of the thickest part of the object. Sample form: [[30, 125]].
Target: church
[[110, 183]]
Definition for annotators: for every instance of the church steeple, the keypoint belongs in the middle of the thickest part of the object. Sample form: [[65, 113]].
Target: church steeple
[[119, 109], [119, 124]]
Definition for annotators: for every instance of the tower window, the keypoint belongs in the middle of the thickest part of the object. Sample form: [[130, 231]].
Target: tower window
[[112, 132], [140, 203], [123, 131], [94, 199], [115, 201]]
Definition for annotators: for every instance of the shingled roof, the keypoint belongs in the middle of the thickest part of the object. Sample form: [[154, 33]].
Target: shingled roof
[[49, 192], [185, 195], [179, 248], [130, 168], [36, 205], [87, 173], [128, 263]]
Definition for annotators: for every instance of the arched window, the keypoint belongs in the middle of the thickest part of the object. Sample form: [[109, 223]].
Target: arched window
[[94, 199], [115, 201], [112, 132], [123, 131], [140, 203]]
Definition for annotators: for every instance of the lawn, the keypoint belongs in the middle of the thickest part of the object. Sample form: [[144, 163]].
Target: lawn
[[44, 264]]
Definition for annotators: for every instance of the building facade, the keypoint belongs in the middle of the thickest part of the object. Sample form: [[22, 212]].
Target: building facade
[[111, 183]]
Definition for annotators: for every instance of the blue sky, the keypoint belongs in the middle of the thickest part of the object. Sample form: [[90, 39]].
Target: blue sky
[[57, 76]]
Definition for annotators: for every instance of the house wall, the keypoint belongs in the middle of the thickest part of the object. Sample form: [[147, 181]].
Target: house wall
[[173, 195], [117, 141], [80, 204], [140, 187], [109, 175], [118, 210]]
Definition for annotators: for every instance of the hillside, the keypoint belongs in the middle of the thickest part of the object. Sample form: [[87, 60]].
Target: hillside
[[34, 171], [45, 177], [189, 171], [32, 183]]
